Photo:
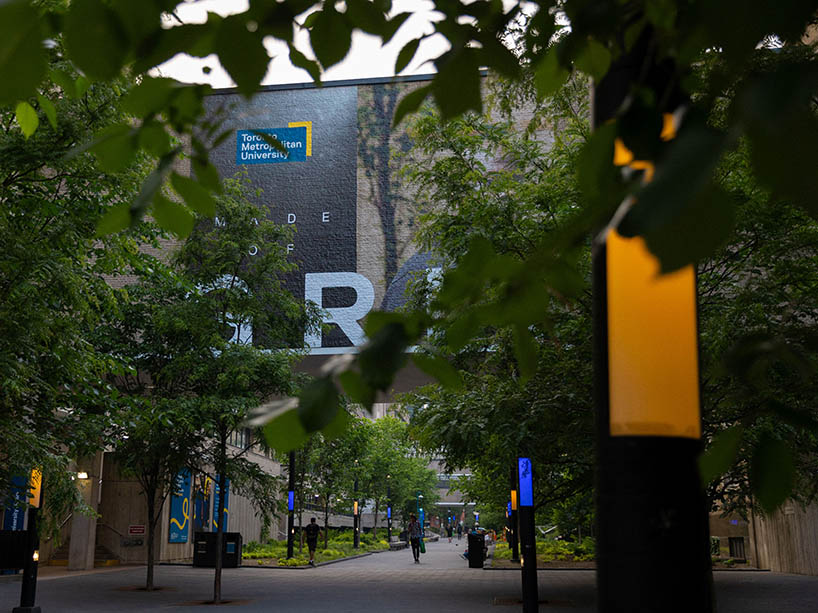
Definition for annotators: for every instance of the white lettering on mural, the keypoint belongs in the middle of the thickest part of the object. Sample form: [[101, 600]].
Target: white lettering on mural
[[253, 147], [345, 318], [325, 216], [290, 217], [290, 247], [253, 250], [242, 328]]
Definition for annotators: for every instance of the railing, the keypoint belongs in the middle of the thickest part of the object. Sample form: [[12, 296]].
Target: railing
[[59, 531]]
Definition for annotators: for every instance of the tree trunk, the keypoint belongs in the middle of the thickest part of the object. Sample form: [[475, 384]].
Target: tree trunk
[[326, 525], [151, 502], [301, 530], [375, 525]]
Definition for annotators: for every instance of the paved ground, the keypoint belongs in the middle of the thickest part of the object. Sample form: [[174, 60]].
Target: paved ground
[[387, 581]]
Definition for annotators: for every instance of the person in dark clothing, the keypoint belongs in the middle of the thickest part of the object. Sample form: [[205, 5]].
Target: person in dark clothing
[[415, 534], [459, 531], [313, 531]]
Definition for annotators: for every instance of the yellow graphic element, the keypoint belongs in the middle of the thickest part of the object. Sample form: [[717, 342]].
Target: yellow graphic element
[[652, 344], [513, 500], [35, 487], [304, 124], [185, 514], [216, 523], [624, 156], [668, 127]]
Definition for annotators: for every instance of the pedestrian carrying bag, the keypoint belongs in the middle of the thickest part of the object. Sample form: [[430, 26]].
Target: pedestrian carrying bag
[[422, 546]]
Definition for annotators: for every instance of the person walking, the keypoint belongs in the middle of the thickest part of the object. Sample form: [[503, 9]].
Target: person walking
[[313, 531], [449, 531], [459, 531], [415, 534]]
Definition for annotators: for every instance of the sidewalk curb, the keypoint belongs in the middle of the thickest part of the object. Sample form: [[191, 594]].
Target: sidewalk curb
[[305, 567]]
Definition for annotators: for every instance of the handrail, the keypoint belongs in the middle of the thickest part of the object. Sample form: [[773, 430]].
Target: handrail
[[59, 530], [112, 529]]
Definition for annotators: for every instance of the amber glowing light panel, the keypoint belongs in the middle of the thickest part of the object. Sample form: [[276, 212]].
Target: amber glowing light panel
[[653, 369]]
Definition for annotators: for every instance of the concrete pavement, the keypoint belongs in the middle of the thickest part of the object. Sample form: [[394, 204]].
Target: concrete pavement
[[387, 581]]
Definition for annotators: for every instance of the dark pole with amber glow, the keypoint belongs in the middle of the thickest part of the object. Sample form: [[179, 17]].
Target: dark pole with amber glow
[[649, 499], [513, 520], [28, 589]]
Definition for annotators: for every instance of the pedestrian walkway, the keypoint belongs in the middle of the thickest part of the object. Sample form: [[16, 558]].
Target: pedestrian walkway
[[383, 582]]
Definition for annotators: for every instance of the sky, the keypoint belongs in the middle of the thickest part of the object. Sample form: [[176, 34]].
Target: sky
[[366, 59]]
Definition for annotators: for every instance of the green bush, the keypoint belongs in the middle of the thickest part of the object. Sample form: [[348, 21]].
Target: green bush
[[342, 537], [502, 551]]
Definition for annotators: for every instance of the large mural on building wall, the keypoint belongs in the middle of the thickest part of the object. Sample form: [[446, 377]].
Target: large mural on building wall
[[338, 184]]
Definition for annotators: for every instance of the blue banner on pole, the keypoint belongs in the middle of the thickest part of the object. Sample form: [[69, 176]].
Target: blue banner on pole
[[251, 148], [388, 512], [180, 508], [526, 483], [225, 505], [290, 500], [15, 514]]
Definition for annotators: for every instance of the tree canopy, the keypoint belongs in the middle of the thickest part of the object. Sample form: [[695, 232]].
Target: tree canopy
[[641, 53]]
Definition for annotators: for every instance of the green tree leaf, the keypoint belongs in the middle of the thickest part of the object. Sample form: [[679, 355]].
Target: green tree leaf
[[154, 139], [383, 355], [284, 433], [81, 85], [456, 87], [439, 368], [196, 196], [49, 110], [393, 25], [117, 218], [149, 97], [526, 352], [331, 36], [302, 61], [339, 424], [318, 404], [661, 13], [27, 118], [242, 54], [115, 147], [172, 216], [65, 81], [22, 54], [410, 103], [406, 54], [720, 455], [95, 38], [594, 59], [207, 175], [272, 141], [366, 16], [549, 75], [772, 473], [702, 227], [356, 388]]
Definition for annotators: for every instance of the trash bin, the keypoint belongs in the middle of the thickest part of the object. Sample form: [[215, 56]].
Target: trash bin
[[475, 550], [204, 549]]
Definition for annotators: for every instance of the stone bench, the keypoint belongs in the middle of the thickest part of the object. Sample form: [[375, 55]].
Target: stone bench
[[396, 544]]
